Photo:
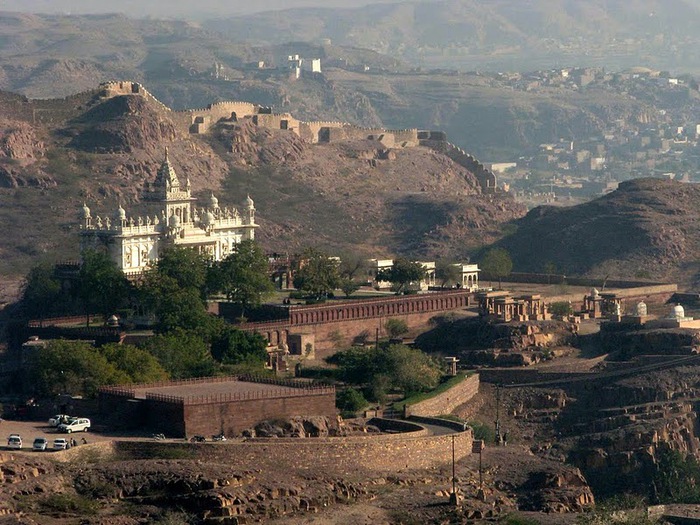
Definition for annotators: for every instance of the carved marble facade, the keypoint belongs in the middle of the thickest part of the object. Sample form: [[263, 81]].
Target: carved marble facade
[[134, 243]]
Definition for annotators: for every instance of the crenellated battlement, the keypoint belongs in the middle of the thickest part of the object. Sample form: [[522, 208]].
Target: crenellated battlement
[[115, 88], [199, 121]]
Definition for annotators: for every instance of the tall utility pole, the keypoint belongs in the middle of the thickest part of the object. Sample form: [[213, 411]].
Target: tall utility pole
[[454, 500], [498, 414]]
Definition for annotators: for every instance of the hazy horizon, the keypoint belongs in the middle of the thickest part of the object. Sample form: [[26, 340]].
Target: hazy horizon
[[173, 8]]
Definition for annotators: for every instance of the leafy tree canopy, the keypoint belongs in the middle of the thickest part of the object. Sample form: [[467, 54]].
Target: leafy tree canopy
[[40, 292], [243, 275], [76, 367], [138, 364], [175, 307], [497, 263], [402, 273], [386, 368], [235, 347], [352, 266], [318, 274], [182, 354], [447, 273], [102, 285], [186, 266]]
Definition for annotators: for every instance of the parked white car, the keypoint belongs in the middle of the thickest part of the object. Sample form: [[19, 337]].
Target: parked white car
[[40, 444], [61, 444], [58, 419], [78, 424], [14, 441]]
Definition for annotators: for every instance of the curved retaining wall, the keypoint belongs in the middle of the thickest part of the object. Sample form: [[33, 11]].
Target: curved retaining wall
[[384, 453], [446, 402]]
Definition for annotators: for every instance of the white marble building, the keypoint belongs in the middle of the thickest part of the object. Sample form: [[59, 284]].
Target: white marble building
[[136, 242]]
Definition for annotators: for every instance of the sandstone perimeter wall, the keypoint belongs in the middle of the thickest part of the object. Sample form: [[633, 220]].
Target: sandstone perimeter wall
[[446, 402], [346, 322], [383, 453]]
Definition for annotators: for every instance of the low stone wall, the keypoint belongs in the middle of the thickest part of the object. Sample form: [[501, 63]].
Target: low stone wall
[[383, 453], [508, 376], [447, 423], [446, 402]]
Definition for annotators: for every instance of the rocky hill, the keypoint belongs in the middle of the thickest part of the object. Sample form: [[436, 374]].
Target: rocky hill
[[355, 193], [648, 228], [48, 56]]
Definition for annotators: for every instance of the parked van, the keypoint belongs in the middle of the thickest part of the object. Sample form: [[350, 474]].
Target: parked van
[[14, 441], [78, 424]]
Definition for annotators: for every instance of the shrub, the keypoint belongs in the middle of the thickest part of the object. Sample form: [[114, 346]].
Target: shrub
[[350, 400], [396, 327], [561, 308], [482, 431], [68, 504]]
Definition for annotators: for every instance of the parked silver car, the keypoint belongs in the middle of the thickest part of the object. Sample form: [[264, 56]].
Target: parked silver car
[[40, 444]]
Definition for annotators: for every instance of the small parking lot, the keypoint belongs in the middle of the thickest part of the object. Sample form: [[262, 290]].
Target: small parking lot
[[30, 430]]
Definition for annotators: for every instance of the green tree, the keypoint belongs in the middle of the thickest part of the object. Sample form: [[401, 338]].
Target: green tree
[[182, 354], [497, 263], [40, 292], [71, 367], [396, 327], [352, 266], [102, 286], [386, 368], [245, 276], [236, 347], [138, 364], [318, 273], [561, 308], [186, 266], [348, 286], [402, 273], [350, 400], [447, 273], [174, 306], [409, 369]]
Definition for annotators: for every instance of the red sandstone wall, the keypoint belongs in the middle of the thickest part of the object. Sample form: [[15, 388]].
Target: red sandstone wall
[[342, 334], [168, 418], [338, 324], [233, 417]]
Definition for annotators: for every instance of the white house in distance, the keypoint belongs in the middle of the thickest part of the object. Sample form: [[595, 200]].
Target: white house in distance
[[134, 243], [468, 278]]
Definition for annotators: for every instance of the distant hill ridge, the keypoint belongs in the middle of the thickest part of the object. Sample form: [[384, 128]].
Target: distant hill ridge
[[647, 228]]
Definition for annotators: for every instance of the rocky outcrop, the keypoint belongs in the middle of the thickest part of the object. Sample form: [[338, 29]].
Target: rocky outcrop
[[18, 141], [627, 344], [298, 426], [556, 491], [123, 124], [501, 344]]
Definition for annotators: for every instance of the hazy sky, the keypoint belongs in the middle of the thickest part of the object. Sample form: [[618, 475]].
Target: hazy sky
[[172, 8]]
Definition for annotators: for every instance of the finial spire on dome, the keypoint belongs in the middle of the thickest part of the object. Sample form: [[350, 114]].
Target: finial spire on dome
[[166, 177]]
